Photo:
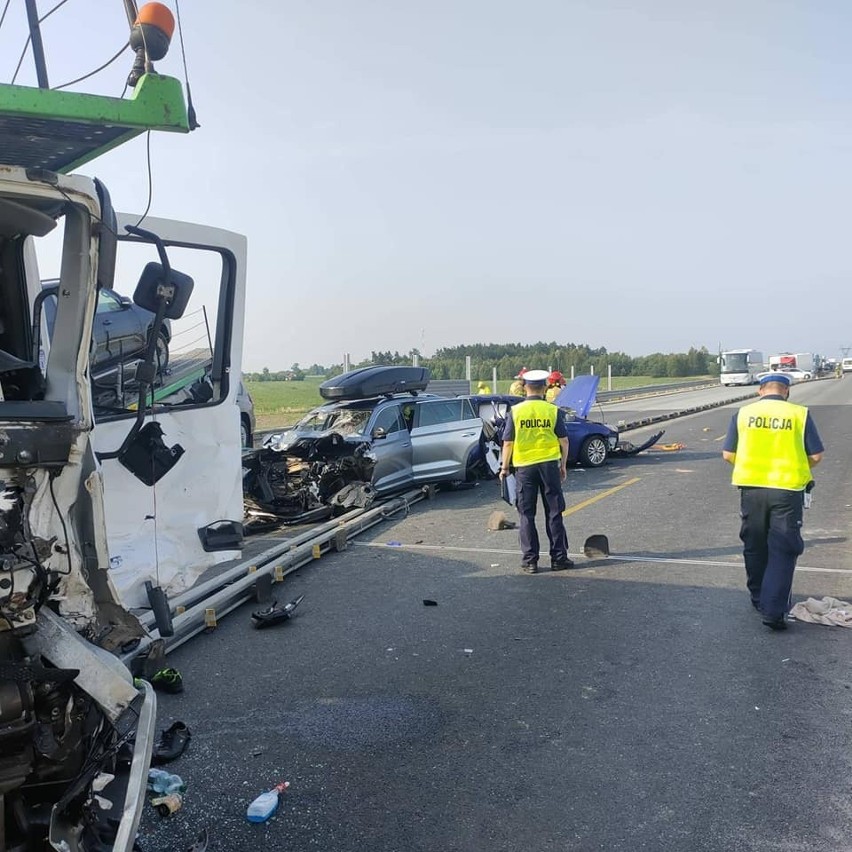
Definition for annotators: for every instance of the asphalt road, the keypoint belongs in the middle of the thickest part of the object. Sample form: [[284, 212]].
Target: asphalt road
[[637, 703]]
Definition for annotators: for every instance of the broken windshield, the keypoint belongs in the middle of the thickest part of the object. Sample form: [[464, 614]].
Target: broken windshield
[[344, 421]]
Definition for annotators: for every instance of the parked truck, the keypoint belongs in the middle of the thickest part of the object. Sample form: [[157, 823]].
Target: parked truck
[[786, 361]]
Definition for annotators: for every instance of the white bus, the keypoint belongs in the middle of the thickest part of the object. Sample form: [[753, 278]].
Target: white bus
[[740, 366]]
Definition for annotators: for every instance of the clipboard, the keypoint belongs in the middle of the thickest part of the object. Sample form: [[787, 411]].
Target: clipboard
[[509, 489]]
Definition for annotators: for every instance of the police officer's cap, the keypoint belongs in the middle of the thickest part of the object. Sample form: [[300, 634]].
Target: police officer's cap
[[536, 377], [780, 378]]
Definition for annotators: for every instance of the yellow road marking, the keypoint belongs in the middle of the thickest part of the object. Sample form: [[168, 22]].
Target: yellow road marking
[[600, 496]]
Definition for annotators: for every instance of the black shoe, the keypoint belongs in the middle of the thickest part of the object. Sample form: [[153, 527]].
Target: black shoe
[[779, 623], [173, 741], [167, 680], [529, 567], [561, 564], [756, 605]]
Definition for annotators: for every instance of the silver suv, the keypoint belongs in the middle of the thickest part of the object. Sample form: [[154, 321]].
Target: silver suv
[[412, 439]]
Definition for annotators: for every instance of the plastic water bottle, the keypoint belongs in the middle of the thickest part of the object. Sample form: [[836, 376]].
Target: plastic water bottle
[[164, 783], [266, 803]]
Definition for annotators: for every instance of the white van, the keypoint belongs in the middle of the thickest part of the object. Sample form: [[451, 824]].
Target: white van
[[846, 365]]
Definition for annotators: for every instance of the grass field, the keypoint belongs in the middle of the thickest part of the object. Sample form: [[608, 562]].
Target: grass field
[[278, 404]]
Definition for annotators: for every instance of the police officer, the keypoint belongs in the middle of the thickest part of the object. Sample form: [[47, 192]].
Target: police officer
[[772, 444], [535, 442]]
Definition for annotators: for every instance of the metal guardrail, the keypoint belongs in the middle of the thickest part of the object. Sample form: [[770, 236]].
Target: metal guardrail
[[218, 597], [653, 390]]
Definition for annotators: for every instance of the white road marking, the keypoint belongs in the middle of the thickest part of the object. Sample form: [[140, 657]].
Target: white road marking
[[612, 557]]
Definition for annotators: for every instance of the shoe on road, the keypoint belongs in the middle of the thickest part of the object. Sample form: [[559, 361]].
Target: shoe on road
[[172, 744], [561, 564], [530, 567]]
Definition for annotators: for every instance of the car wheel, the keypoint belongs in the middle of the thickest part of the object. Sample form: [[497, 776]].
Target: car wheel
[[162, 353], [593, 452], [245, 433]]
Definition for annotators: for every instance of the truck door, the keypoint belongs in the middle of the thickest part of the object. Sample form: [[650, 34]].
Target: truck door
[[161, 531]]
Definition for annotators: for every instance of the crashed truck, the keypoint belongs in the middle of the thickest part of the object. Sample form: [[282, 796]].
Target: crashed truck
[[161, 469]]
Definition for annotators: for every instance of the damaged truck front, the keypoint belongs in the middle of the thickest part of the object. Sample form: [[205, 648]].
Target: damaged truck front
[[75, 732]]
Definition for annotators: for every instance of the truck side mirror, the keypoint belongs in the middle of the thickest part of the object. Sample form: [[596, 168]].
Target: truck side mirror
[[380, 432], [155, 284]]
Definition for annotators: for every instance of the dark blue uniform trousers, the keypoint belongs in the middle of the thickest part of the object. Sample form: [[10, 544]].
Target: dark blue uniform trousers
[[771, 533], [532, 480]]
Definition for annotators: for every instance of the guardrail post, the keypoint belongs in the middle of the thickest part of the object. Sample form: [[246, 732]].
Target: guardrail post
[[609, 377]]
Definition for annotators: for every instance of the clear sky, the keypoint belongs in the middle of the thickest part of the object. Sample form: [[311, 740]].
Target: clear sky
[[643, 175]]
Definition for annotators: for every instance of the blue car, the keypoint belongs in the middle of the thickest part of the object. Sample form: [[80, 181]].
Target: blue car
[[590, 443]]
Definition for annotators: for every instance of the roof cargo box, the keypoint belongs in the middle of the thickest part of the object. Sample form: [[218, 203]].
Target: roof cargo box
[[375, 381]]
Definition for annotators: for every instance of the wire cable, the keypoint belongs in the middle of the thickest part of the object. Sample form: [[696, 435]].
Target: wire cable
[[50, 479], [44, 17], [21, 60], [3, 16], [96, 71], [190, 109], [150, 182]]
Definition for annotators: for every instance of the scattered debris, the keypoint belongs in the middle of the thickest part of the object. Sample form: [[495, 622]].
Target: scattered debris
[[394, 544], [427, 602], [201, 842], [829, 611], [172, 744], [164, 783], [273, 614], [168, 805], [495, 564], [498, 521], [596, 547], [262, 808], [468, 651], [669, 448]]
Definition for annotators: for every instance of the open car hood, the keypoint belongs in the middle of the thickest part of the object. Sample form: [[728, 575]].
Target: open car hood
[[579, 395]]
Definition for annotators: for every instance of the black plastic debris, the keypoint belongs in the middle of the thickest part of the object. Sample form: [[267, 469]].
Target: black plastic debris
[[596, 547], [274, 614], [427, 602]]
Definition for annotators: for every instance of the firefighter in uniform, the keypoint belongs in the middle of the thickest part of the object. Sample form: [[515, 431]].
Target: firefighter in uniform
[[517, 387], [772, 444], [535, 443], [555, 383]]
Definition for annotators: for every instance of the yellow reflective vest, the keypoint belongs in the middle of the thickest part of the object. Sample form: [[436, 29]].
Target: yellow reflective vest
[[552, 392], [771, 446], [516, 388], [535, 440]]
